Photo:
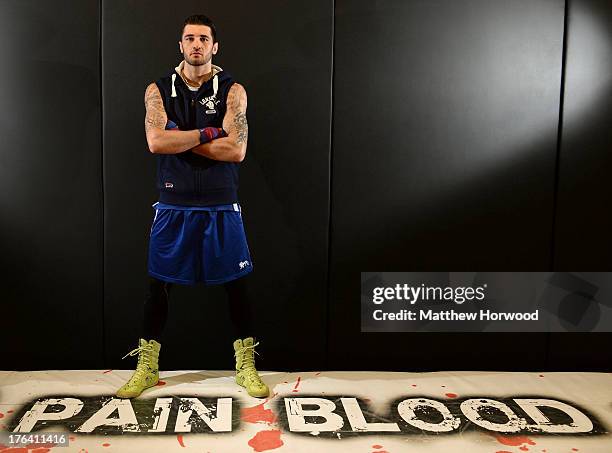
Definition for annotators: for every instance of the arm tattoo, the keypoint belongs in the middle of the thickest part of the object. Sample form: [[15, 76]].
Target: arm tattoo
[[242, 127], [155, 117], [236, 104]]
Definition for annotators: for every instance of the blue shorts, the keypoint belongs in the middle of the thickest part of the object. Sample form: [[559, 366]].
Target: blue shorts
[[198, 244]]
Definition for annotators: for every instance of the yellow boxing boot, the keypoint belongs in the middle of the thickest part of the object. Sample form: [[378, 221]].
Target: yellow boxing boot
[[147, 370], [246, 374]]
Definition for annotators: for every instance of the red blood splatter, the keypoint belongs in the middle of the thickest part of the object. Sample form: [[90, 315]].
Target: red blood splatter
[[106, 444], [316, 374], [10, 412], [380, 451], [503, 451], [541, 375], [524, 448], [442, 386], [179, 437], [1, 415], [414, 385], [266, 440], [72, 438], [376, 446], [451, 395], [295, 389], [107, 371], [514, 441], [257, 414], [574, 449], [160, 383], [41, 450]]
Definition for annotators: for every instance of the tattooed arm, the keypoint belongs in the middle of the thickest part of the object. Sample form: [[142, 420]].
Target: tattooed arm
[[233, 147], [161, 141]]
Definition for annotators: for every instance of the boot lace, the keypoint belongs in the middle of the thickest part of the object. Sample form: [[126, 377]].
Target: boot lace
[[248, 362], [144, 360]]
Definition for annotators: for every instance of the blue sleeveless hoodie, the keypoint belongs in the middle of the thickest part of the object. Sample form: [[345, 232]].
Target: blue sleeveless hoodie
[[188, 178]]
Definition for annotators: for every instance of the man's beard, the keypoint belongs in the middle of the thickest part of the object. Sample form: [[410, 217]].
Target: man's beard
[[199, 62]]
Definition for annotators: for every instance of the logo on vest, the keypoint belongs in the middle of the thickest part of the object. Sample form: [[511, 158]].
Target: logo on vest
[[243, 264], [210, 103], [168, 185]]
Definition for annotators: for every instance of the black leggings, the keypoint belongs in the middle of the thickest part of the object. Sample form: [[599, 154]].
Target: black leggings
[[156, 308]]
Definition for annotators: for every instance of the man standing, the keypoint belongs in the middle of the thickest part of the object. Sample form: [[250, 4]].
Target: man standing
[[196, 125]]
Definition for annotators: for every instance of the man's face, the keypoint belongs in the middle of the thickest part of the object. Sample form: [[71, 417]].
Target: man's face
[[196, 44]]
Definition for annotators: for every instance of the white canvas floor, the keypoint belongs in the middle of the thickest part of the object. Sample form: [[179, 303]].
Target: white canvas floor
[[357, 412]]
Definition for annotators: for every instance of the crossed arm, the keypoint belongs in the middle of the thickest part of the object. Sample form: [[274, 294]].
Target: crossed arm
[[229, 149]]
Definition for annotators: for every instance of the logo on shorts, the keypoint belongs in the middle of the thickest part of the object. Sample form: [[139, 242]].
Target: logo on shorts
[[243, 264], [168, 185]]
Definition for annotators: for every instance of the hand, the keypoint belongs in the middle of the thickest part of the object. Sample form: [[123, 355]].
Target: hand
[[208, 134]]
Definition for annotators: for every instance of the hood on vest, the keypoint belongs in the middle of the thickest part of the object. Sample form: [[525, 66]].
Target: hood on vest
[[218, 75]]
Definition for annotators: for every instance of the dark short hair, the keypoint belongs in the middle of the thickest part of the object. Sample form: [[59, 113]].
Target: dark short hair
[[200, 19]]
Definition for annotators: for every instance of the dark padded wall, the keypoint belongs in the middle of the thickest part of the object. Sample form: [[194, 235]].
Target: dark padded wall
[[50, 191], [282, 55], [584, 219], [444, 150]]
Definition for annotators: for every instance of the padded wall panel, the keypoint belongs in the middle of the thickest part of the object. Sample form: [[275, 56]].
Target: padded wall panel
[[50, 185], [281, 53], [445, 131], [584, 219]]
